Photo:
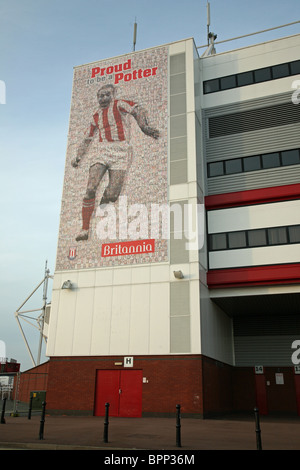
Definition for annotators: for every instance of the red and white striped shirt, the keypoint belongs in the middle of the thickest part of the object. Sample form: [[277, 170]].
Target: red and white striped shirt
[[110, 121]]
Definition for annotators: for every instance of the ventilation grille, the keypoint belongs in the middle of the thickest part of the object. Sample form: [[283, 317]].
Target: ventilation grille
[[265, 340], [266, 325], [253, 120]]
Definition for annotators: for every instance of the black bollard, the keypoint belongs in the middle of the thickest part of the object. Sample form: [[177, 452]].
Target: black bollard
[[178, 427], [42, 422], [30, 408], [257, 429], [3, 411], [105, 433]]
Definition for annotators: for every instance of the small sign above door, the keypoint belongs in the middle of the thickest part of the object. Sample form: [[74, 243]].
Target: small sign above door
[[128, 361]]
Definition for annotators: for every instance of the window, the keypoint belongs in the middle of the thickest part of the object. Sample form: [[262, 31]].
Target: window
[[290, 157], [252, 76], [271, 160], [255, 162], [262, 75], [257, 237], [218, 241], [254, 238], [233, 166], [295, 67], [280, 71], [294, 234], [277, 236], [237, 240], [215, 169], [245, 78], [228, 82], [251, 163], [211, 86]]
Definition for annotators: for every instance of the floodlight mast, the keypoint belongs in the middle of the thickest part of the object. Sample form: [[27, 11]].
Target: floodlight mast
[[134, 35], [208, 21], [211, 37], [40, 320]]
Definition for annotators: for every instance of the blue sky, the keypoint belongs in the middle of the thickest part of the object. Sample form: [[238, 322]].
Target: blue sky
[[40, 43]]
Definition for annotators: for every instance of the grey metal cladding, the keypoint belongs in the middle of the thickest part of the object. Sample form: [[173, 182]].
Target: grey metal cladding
[[177, 63], [179, 298], [252, 120], [254, 180], [257, 138], [253, 143], [259, 340]]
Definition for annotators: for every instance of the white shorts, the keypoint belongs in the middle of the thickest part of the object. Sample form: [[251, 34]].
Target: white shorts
[[114, 155]]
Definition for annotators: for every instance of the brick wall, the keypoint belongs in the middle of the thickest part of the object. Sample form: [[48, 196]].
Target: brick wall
[[243, 389], [35, 379], [281, 396], [217, 387], [171, 380], [202, 386]]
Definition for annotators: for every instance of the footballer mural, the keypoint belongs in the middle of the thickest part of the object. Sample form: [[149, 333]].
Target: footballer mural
[[116, 163]]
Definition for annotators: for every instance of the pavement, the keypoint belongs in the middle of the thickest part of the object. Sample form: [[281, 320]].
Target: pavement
[[148, 434]]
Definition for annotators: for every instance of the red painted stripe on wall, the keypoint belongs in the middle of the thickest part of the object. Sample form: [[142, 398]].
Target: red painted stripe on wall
[[254, 276], [253, 196], [118, 120], [106, 125]]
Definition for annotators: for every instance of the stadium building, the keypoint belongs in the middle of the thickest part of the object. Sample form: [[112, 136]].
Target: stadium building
[[177, 277]]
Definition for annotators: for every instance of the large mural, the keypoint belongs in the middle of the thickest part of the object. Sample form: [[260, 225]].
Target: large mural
[[116, 173]]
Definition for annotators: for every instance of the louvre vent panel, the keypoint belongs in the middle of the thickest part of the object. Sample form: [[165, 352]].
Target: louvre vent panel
[[254, 325], [268, 351], [257, 103], [252, 120], [259, 340], [254, 180], [255, 127], [254, 143]]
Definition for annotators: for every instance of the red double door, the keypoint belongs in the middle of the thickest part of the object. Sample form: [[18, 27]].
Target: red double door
[[122, 389]]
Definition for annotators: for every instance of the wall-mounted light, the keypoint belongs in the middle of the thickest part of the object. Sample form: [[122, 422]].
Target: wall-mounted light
[[67, 285], [178, 274]]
